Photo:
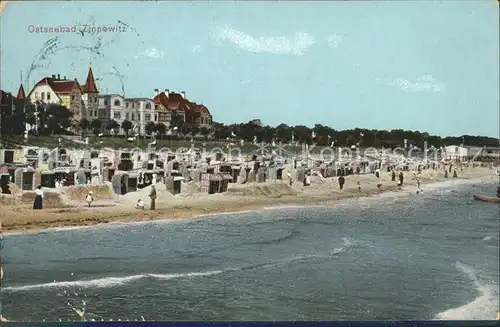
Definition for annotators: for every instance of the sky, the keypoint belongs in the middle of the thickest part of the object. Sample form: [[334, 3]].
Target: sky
[[431, 66]]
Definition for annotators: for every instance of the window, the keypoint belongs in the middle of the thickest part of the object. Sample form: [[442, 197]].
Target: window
[[117, 115], [43, 95], [73, 97], [157, 107], [106, 102], [48, 96], [95, 113], [133, 117], [126, 104], [156, 117], [117, 102], [148, 105], [36, 95], [126, 116], [147, 117]]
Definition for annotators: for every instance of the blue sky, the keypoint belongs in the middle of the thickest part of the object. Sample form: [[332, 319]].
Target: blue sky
[[420, 65]]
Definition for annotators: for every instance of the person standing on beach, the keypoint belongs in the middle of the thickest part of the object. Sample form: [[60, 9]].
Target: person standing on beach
[[38, 203], [89, 198], [290, 180], [401, 177], [393, 175], [152, 196], [307, 180], [377, 173], [341, 181], [455, 173]]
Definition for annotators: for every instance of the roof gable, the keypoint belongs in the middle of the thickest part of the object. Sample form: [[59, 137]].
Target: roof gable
[[60, 85]]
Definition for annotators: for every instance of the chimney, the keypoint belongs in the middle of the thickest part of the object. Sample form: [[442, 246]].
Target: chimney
[[183, 94], [64, 77], [54, 76], [58, 76], [157, 91]]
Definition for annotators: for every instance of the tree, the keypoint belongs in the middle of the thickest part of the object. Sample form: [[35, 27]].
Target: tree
[[161, 129], [176, 120], [83, 125], [96, 125], [204, 131], [194, 130], [127, 126], [31, 118], [57, 118], [150, 128], [112, 125]]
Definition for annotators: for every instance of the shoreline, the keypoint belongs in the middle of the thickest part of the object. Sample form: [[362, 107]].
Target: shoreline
[[199, 206]]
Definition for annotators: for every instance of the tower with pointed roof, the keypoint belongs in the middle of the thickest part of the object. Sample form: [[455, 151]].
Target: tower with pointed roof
[[90, 97], [20, 94]]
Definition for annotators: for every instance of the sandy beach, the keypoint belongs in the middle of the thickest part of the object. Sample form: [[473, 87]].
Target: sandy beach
[[18, 217]]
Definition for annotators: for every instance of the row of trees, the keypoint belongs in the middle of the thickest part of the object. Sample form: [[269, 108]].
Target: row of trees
[[128, 127], [324, 135], [57, 119]]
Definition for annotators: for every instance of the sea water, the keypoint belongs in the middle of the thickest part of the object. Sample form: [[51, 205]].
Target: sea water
[[433, 256]]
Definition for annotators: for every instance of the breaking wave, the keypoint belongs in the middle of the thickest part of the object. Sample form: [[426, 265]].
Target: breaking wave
[[483, 307]]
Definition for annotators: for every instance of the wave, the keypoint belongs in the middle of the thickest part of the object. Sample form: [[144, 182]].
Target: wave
[[277, 240], [109, 282], [484, 307]]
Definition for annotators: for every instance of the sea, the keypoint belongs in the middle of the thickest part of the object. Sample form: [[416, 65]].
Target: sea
[[391, 257]]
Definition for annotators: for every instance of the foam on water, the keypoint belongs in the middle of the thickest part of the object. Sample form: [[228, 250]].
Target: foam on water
[[483, 307], [109, 282]]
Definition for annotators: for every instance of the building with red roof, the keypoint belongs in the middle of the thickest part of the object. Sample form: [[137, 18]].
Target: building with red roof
[[177, 104], [62, 91], [81, 101]]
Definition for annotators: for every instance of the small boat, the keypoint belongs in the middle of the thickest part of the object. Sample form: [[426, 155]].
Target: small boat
[[486, 199]]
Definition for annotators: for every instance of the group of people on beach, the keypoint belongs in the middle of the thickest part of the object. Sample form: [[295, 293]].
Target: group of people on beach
[[400, 179], [39, 198]]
